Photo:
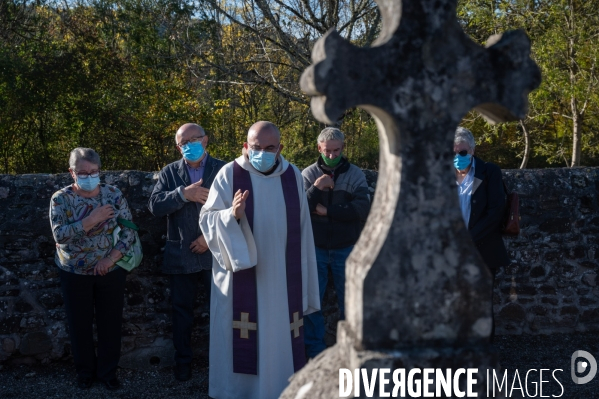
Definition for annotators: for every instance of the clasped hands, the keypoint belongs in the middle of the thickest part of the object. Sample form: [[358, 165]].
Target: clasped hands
[[322, 183], [320, 210]]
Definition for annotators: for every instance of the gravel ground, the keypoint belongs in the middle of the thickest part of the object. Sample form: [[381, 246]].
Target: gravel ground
[[552, 352], [58, 381], [516, 353]]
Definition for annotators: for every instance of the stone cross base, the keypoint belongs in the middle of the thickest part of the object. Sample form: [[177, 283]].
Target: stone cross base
[[320, 377]]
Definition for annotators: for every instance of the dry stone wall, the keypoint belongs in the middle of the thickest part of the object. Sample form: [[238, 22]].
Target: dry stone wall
[[32, 319], [551, 285]]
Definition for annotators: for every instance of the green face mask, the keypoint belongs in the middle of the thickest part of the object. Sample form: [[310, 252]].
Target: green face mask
[[331, 163]]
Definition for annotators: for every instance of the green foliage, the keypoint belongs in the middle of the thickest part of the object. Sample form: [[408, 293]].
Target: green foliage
[[120, 76], [91, 77], [565, 45]]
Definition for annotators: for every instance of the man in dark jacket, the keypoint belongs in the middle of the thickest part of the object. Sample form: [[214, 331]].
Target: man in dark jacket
[[482, 200], [179, 194], [339, 200]]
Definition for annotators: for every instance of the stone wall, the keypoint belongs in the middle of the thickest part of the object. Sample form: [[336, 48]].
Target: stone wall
[[551, 286], [32, 320]]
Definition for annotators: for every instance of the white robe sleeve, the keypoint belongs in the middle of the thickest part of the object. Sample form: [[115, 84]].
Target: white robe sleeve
[[311, 295], [231, 243]]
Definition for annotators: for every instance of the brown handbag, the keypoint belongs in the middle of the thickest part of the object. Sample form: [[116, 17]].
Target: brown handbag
[[511, 218]]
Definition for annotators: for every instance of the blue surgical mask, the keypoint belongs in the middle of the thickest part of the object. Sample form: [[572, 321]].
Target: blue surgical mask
[[461, 162], [193, 151], [262, 160], [89, 183]]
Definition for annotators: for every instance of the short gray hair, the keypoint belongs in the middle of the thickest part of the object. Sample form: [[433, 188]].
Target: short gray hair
[[330, 133], [85, 154], [463, 135]]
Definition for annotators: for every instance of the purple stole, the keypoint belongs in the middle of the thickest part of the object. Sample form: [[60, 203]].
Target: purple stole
[[245, 298]]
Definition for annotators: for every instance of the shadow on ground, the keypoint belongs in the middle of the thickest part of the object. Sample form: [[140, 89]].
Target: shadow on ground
[[522, 353], [57, 380]]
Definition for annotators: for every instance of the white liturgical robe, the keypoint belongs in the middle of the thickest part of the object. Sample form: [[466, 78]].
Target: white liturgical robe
[[234, 247]]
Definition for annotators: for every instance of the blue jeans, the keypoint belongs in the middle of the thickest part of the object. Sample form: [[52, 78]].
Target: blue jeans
[[314, 322]]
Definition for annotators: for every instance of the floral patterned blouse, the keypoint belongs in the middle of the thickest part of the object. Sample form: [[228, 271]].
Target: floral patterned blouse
[[78, 251]]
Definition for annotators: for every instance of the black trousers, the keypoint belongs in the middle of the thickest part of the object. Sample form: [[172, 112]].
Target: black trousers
[[184, 289], [103, 296]]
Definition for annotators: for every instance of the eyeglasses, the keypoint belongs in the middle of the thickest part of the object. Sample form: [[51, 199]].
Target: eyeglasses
[[270, 148], [462, 153], [85, 175], [192, 140]]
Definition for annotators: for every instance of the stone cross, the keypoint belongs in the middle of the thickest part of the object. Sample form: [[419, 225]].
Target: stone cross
[[416, 288], [296, 324], [244, 325]]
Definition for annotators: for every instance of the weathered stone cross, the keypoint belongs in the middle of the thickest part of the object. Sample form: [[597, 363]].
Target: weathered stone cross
[[244, 325], [296, 324], [415, 282]]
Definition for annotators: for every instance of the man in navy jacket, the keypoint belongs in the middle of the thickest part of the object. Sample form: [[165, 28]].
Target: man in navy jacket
[[179, 194], [482, 200]]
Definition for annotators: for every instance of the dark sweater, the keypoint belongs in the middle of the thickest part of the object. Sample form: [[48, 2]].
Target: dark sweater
[[347, 204]]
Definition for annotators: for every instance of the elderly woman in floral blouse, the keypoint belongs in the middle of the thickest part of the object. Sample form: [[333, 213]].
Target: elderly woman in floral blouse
[[83, 217]]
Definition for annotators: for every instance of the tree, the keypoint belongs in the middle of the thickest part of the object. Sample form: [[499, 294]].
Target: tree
[[565, 39], [280, 35]]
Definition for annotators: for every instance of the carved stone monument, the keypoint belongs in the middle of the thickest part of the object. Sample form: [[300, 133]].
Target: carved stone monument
[[417, 293]]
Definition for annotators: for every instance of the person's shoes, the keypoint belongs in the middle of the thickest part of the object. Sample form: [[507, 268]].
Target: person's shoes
[[84, 382], [112, 384], [182, 371]]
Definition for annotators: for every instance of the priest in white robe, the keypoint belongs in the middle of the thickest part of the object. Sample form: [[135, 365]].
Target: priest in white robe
[[257, 225]]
